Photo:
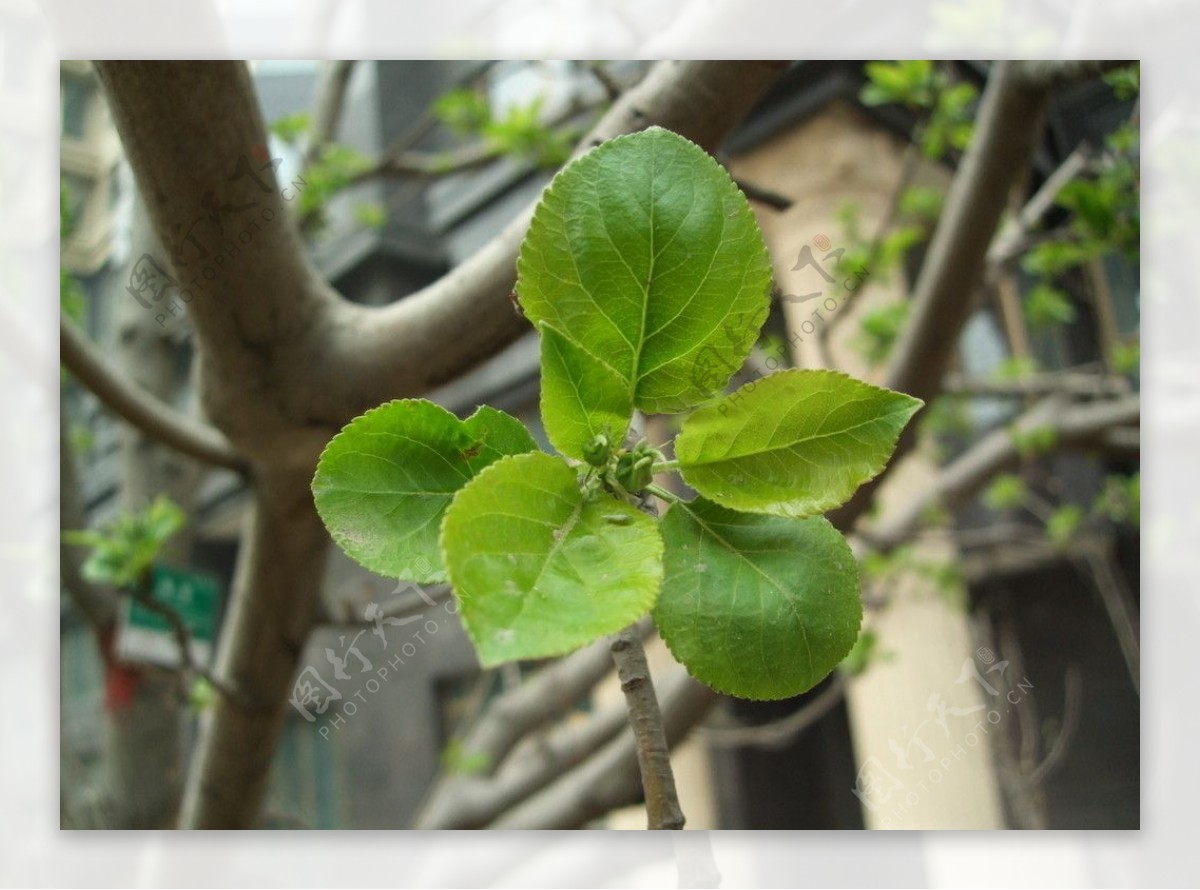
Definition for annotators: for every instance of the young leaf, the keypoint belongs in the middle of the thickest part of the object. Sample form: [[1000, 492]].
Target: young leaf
[[539, 570], [794, 443], [383, 483], [640, 253], [581, 395], [756, 606]]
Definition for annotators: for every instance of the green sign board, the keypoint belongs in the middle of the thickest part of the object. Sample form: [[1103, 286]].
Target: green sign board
[[147, 636]]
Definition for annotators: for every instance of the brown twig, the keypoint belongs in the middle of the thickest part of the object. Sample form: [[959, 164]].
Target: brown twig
[[779, 733], [183, 640], [654, 760]]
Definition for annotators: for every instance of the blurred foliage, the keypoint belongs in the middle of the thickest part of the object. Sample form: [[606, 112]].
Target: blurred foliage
[[1014, 368], [370, 215], [1120, 500], [922, 203], [1046, 305], [944, 106], [1006, 492], [944, 575], [1127, 358], [1035, 441], [123, 550], [522, 134], [866, 651], [457, 761], [879, 329], [292, 128], [335, 167], [1125, 82], [463, 110], [1062, 525]]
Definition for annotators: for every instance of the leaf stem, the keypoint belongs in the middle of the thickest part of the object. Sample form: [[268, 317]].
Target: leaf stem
[[654, 762], [660, 492], [666, 466]]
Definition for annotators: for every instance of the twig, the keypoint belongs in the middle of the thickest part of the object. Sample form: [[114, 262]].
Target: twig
[[779, 733], [764, 196], [131, 402], [183, 640], [654, 760], [612, 89], [909, 165], [1013, 237], [996, 452], [1072, 700], [514, 714], [330, 100], [1119, 606]]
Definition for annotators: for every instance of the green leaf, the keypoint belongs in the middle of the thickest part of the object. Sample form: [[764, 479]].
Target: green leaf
[[756, 606], [581, 395], [540, 571], [793, 443], [383, 483], [641, 253]]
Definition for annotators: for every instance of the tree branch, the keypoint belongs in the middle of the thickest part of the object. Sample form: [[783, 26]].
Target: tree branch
[[331, 97], [778, 733], [454, 800], [183, 641], [129, 401], [1012, 238], [1064, 382], [1054, 75], [1007, 129], [654, 762], [997, 452], [609, 779]]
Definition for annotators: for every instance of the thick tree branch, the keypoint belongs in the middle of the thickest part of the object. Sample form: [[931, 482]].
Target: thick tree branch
[[654, 761], [129, 401]]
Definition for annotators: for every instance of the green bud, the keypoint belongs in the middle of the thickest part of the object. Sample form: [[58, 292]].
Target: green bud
[[598, 451]]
